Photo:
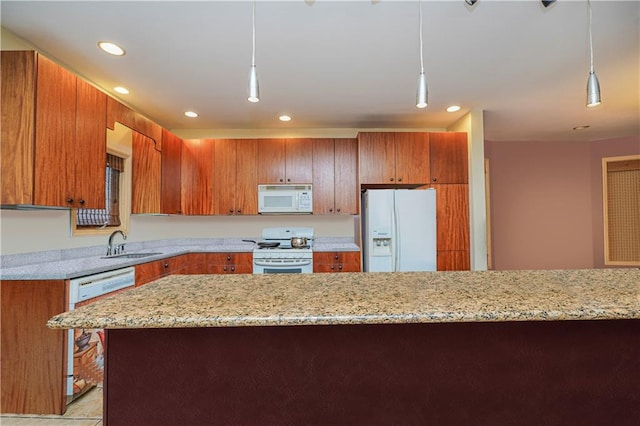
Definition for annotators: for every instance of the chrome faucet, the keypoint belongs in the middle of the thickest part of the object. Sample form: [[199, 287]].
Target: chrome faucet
[[118, 249]]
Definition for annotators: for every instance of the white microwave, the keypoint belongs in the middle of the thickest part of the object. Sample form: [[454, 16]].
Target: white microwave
[[279, 199]]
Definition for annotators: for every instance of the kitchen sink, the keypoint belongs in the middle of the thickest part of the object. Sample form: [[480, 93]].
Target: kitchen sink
[[129, 255]]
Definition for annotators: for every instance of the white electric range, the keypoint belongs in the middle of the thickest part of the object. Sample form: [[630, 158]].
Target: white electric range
[[274, 254]]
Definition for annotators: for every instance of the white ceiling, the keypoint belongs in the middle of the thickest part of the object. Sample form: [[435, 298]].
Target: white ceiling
[[354, 64]]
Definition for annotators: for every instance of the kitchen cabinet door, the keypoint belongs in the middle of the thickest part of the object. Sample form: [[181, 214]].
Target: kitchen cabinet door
[[171, 157], [271, 161], [454, 260], [298, 154], [117, 112], [235, 176], [452, 216], [197, 177], [335, 184], [412, 158], [347, 193], [246, 192], [377, 158], [55, 136], [33, 364], [146, 175], [225, 173], [346, 261], [448, 157], [230, 263]]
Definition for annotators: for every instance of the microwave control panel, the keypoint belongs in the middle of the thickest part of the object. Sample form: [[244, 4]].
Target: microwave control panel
[[304, 200]]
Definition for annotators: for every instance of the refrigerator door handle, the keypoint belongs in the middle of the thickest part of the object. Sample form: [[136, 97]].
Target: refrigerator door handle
[[395, 238]]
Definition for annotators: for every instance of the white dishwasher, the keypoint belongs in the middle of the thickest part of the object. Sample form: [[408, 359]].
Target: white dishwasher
[[85, 347]]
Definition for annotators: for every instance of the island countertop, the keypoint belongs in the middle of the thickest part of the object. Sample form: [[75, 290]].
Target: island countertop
[[187, 301]]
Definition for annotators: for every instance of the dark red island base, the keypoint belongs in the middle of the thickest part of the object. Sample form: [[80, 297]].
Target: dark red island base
[[498, 373]]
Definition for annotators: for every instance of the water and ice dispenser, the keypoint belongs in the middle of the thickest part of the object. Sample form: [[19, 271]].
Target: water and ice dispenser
[[381, 243]]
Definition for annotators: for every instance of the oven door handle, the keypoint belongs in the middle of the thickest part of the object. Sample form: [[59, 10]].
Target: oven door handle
[[283, 264]]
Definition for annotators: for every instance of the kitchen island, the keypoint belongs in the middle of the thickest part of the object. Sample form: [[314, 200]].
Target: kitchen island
[[513, 347]]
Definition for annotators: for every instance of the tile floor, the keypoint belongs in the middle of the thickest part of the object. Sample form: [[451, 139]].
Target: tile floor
[[86, 411]]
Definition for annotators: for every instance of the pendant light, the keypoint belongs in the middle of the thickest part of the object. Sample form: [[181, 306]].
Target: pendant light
[[254, 89], [422, 94], [593, 86]]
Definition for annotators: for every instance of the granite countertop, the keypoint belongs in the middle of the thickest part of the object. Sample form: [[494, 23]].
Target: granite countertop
[[182, 301], [73, 263]]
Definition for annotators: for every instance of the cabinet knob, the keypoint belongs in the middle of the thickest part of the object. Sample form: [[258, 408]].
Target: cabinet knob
[[333, 267], [230, 210], [69, 200], [81, 201], [330, 210], [224, 268], [390, 179], [338, 210], [435, 179], [335, 257], [228, 257], [340, 267], [399, 179], [233, 269], [239, 211], [288, 180], [166, 264], [281, 180]]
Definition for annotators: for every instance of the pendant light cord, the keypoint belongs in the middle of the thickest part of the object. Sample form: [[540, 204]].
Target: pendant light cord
[[590, 39], [420, 27], [253, 26]]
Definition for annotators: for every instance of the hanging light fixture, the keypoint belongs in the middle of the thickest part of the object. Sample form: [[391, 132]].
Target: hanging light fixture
[[422, 94], [593, 86], [254, 89]]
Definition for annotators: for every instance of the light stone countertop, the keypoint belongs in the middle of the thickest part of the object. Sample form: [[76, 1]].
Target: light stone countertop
[[183, 301], [73, 263]]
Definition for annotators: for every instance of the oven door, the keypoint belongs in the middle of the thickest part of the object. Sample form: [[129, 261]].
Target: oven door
[[276, 266]]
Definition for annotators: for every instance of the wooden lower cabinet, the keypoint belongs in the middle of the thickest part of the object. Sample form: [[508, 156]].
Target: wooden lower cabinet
[[151, 271], [452, 215], [33, 363], [340, 261], [217, 263], [454, 260]]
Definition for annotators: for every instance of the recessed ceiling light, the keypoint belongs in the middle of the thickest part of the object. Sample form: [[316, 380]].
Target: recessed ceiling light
[[121, 90], [191, 114], [284, 117], [586, 126], [453, 108], [111, 48]]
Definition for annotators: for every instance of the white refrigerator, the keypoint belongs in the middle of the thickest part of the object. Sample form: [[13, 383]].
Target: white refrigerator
[[399, 230]]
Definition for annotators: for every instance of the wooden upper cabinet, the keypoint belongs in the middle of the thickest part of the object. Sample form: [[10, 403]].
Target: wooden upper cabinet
[[235, 176], [90, 147], [377, 158], [299, 155], [394, 158], [53, 135], [246, 188], [335, 180], [171, 163], [197, 177], [449, 158], [146, 175], [284, 161], [412, 158]]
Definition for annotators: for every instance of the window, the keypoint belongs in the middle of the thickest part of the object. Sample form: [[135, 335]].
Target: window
[[110, 215], [621, 200]]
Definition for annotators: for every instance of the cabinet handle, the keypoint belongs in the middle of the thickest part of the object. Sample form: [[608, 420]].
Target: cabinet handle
[[69, 200]]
